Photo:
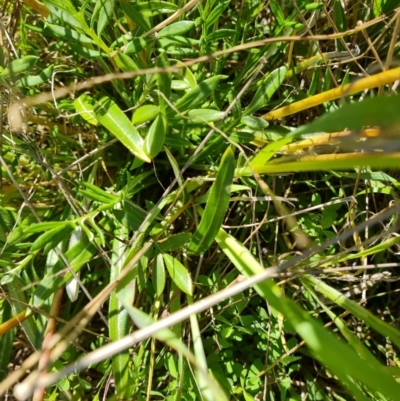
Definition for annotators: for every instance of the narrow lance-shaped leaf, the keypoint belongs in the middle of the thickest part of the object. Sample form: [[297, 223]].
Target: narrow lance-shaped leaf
[[85, 52], [105, 14], [158, 275], [66, 34], [179, 274], [209, 115], [72, 287], [85, 108], [173, 242], [196, 96], [6, 342], [19, 65], [217, 11], [268, 87], [163, 80], [133, 12], [156, 136], [52, 237], [96, 191], [177, 28], [39, 227], [65, 11], [39, 79], [115, 120], [145, 113], [137, 44], [216, 206]]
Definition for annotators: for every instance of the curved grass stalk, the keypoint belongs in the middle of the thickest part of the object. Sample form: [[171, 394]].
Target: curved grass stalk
[[383, 78]]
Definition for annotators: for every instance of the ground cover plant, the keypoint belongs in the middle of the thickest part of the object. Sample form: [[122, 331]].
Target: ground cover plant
[[199, 200]]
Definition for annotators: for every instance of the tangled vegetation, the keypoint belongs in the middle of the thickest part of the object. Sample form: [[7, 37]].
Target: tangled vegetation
[[199, 200]]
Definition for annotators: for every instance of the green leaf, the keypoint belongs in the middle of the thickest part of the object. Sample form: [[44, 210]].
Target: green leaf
[[177, 28], [267, 88], [277, 12], [179, 274], [98, 194], [39, 227], [65, 11], [179, 85], [163, 81], [158, 276], [124, 62], [66, 34], [216, 13], [196, 96], [131, 217], [105, 14], [314, 6], [176, 141], [174, 165], [384, 6], [35, 80], [53, 237], [85, 52], [173, 242], [339, 18], [173, 41], [221, 34], [216, 206], [72, 287], [137, 44], [115, 120], [84, 106], [145, 113], [133, 12], [153, 8], [155, 138], [209, 115], [254, 122], [19, 65]]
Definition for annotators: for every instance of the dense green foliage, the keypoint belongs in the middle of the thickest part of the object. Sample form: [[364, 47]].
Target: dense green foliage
[[141, 175]]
